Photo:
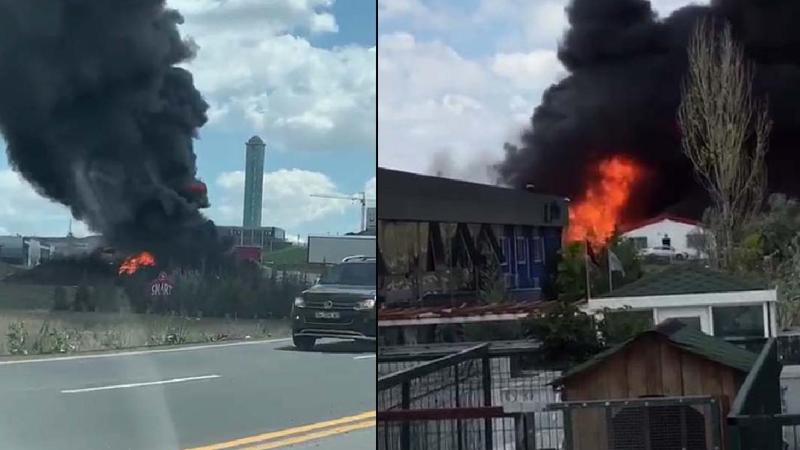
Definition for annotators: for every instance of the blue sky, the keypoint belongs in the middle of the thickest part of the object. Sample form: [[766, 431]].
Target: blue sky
[[299, 74], [458, 78]]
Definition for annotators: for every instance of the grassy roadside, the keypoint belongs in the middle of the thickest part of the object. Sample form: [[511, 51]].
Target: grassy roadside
[[43, 333]]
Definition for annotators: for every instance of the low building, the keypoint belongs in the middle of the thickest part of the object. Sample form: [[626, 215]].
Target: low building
[[268, 238], [733, 307], [71, 246], [607, 396], [440, 236], [24, 251], [686, 237]]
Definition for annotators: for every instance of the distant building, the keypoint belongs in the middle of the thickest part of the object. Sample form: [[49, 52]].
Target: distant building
[[253, 182], [69, 246], [372, 219], [685, 236], [24, 251], [267, 238]]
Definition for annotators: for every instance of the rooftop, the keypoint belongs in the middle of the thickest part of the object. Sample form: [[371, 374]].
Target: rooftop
[[255, 140], [625, 228], [687, 279], [684, 337], [422, 198]]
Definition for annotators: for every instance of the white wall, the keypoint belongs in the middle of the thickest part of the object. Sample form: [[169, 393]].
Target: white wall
[[677, 232]]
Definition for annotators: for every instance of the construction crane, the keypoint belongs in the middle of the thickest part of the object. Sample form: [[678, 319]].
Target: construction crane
[[361, 197]]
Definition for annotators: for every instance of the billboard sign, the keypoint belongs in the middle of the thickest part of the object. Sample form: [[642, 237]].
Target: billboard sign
[[161, 286]]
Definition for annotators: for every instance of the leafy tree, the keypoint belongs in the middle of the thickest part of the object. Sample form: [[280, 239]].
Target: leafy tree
[[568, 335]]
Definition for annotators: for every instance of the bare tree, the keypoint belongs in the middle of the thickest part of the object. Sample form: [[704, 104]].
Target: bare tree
[[725, 132]]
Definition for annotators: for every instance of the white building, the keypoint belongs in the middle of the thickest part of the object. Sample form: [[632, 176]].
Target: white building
[[685, 236], [717, 303]]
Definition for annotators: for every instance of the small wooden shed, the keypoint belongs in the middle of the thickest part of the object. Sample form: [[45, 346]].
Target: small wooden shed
[[671, 360]]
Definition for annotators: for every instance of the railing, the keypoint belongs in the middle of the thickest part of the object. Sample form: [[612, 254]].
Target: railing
[[425, 391], [755, 421]]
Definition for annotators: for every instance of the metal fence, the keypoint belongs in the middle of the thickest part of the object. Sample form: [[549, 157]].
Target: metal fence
[[465, 397], [756, 421], [668, 423]]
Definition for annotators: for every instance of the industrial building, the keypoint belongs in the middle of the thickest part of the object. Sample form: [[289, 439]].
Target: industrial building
[[253, 182], [24, 251], [267, 238], [440, 237]]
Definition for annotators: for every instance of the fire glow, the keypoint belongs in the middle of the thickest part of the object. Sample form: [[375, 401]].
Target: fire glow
[[134, 263], [595, 216]]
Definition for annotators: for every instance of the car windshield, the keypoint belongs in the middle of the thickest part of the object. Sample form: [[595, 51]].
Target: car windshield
[[360, 274]]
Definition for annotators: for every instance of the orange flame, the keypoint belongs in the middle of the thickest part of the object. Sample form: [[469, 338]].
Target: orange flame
[[594, 217], [133, 263]]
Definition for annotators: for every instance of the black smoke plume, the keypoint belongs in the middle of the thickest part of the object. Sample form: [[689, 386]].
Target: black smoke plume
[[98, 117], [626, 68]]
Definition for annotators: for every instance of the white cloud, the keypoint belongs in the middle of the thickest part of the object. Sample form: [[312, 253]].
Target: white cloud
[[434, 101], [287, 201], [536, 69], [255, 66], [24, 211]]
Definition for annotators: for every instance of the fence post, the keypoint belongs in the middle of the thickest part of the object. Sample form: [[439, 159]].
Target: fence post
[[487, 398], [460, 439], [405, 431]]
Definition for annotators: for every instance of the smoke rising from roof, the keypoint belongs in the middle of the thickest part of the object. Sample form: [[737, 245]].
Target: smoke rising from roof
[[98, 117], [621, 98]]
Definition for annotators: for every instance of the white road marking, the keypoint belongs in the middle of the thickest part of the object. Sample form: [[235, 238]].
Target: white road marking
[[132, 385], [140, 352], [364, 357]]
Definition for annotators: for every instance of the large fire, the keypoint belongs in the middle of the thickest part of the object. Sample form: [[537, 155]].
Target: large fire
[[133, 263], [595, 216]]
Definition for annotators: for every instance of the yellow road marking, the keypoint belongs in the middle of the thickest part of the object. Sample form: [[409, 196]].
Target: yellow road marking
[[288, 432], [313, 436]]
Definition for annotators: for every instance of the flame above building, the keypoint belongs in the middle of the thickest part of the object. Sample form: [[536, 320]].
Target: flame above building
[[134, 263], [595, 216]]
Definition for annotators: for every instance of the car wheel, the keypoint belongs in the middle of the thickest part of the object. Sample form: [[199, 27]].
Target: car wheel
[[304, 343]]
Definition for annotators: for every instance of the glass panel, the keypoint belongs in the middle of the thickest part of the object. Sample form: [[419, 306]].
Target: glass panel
[[691, 322], [522, 254], [738, 321]]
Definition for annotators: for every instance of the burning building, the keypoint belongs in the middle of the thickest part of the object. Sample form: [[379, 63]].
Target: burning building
[[99, 117], [620, 101]]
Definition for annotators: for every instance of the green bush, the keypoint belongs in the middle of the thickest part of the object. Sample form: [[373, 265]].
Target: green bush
[[52, 340]]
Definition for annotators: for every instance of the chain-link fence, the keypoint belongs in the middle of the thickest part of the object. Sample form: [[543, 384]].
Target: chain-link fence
[[464, 394], [668, 423]]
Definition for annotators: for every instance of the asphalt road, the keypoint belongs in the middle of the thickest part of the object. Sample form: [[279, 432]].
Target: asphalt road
[[254, 395]]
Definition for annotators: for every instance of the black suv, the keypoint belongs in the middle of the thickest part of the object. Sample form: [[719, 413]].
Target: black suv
[[341, 305]]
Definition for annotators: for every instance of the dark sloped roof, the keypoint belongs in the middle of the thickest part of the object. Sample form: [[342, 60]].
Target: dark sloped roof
[[687, 279], [686, 338], [406, 196]]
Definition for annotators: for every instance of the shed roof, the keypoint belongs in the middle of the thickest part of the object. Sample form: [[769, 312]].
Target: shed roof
[[625, 228], [688, 339], [687, 279], [406, 196]]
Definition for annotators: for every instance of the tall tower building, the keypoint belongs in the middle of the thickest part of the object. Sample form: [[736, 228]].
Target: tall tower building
[[253, 181]]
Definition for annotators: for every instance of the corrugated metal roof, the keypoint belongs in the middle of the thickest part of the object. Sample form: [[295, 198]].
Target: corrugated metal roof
[[687, 279], [684, 337], [406, 196]]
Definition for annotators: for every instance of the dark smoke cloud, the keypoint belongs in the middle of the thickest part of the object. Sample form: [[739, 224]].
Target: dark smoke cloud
[[621, 97], [99, 118]]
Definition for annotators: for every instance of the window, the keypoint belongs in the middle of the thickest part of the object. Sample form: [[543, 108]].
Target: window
[[506, 248], [522, 253], [691, 322], [639, 243], [537, 249], [738, 321]]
